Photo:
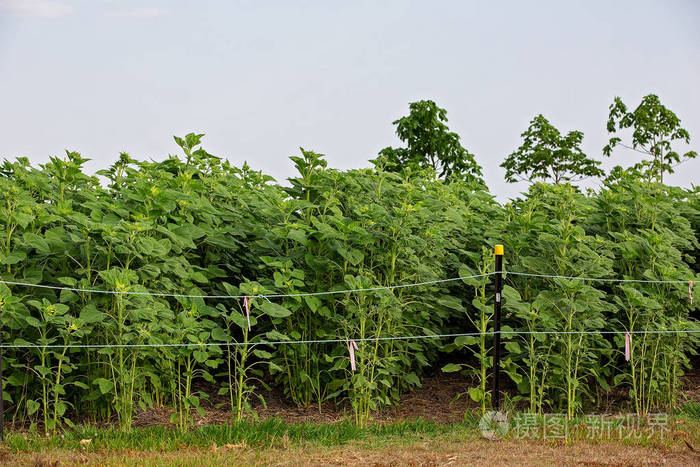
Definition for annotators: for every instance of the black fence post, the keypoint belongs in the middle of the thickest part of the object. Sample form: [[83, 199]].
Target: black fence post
[[498, 285]]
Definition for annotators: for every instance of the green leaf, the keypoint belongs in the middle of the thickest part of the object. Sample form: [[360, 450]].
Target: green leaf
[[239, 320], [274, 310], [32, 406], [451, 367], [353, 257], [220, 335], [412, 378], [105, 385], [274, 368], [37, 242], [13, 258], [69, 281], [276, 336], [197, 276], [453, 303], [513, 347], [262, 354], [298, 236], [32, 321], [617, 379], [462, 341], [476, 394], [60, 408], [200, 355], [313, 302], [90, 314]]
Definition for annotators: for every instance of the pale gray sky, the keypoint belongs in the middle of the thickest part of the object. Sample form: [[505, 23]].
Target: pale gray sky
[[262, 78]]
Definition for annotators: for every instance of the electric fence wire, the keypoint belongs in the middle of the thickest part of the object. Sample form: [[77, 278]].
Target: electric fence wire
[[595, 279], [336, 292], [333, 292], [338, 340]]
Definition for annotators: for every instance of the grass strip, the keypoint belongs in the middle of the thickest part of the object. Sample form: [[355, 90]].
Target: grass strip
[[275, 432], [264, 433]]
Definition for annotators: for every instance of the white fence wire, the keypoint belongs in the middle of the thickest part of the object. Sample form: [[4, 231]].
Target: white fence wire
[[335, 292]]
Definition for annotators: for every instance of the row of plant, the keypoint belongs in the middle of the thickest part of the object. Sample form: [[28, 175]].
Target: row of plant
[[198, 226]]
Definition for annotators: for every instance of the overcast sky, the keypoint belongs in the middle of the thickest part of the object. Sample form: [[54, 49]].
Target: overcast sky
[[262, 78]]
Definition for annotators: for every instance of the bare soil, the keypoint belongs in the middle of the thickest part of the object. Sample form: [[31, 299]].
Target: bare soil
[[477, 452], [441, 399]]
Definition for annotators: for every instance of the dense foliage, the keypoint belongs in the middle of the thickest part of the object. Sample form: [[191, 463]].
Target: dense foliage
[[655, 132], [199, 226], [547, 155], [430, 144]]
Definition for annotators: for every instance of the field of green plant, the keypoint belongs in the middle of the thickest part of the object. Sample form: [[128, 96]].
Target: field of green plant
[[151, 232]]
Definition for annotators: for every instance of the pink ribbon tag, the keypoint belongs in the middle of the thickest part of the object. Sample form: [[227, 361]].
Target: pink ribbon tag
[[352, 346], [247, 310], [690, 291], [628, 346]]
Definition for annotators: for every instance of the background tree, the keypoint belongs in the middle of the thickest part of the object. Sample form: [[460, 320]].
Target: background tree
[[655, 128], [547, 155], [430, 143]]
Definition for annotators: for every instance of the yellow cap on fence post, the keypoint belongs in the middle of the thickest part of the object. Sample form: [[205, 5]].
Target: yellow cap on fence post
[[498, 249]]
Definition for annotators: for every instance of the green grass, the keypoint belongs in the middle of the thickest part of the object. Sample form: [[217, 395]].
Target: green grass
[[690, 410], [278, 433], [265, 433]]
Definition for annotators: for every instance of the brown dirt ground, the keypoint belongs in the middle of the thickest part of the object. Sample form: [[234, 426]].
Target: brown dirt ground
[[436, 401], [441, 399], [477, 452]]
